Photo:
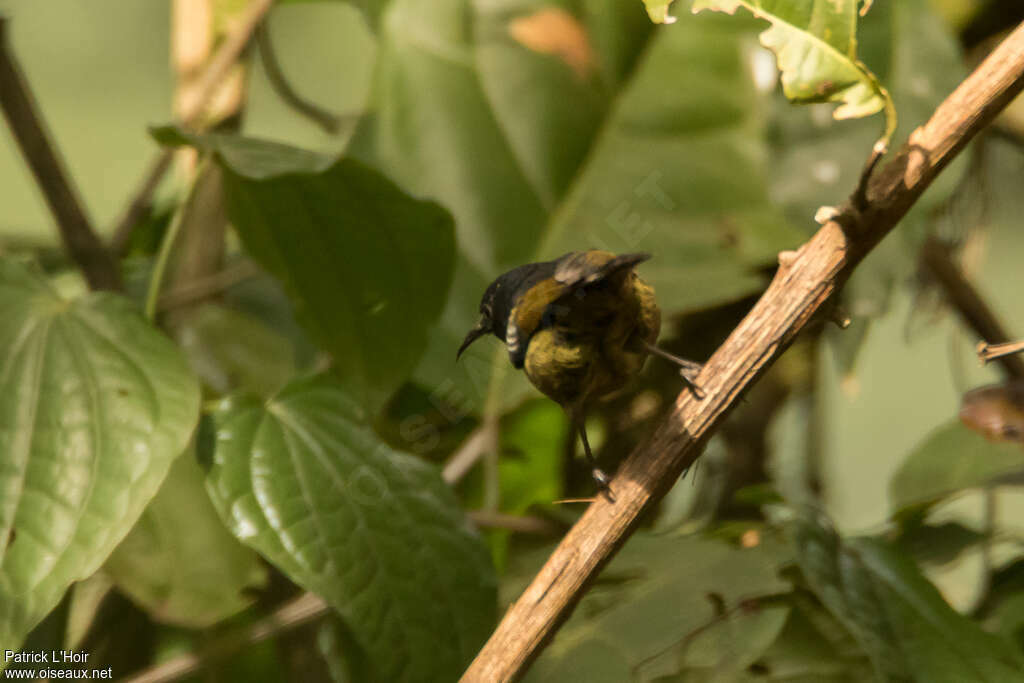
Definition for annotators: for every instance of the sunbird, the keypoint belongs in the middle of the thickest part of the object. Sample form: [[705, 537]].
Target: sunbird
[[580, 326]]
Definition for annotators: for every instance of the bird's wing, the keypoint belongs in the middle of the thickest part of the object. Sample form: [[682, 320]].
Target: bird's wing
[[579, 268], [525, 317], [574, 270]]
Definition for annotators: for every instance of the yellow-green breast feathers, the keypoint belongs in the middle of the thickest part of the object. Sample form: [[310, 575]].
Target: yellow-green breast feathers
[[591, 337]]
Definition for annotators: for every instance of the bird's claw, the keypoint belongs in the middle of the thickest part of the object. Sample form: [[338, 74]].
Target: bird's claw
[[603, 484], [689, 376]]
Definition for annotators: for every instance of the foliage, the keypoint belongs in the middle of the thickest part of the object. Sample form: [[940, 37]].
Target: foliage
[[280, 426], [96, 406], [377, 533]]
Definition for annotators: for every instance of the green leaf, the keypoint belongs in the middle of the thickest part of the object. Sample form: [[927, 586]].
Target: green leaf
[[302, 480], [815, 44], [491, 107], [95, 404], [231, 350], [726, 650], [541, 75], [179, 562], [533, 444], [651, 600], [679, 172], [936, 544], [434, 130], [951, 459], [814, 648], [253, 158], [896, 615], [367, 266]]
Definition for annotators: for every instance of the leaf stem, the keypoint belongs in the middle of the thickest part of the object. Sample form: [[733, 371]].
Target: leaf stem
[[166, 245]]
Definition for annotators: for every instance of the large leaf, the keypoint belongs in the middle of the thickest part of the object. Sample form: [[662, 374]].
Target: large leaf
[[490, 108], [652, 600], [727, 649], [815, 43], [478, 105], [951, 459], [540, 73], [180, 562], [368, 266], [375, 532], [95, 404], [813, 648], [897, 616], [679, 171]]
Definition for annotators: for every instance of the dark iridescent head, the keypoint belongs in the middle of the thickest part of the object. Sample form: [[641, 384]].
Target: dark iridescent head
[[500, 298]]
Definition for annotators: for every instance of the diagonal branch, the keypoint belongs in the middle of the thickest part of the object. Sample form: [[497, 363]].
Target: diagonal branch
[[804, 282], [81, 241]]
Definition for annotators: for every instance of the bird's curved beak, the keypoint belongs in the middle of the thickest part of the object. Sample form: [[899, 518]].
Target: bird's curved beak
[[481, 328]]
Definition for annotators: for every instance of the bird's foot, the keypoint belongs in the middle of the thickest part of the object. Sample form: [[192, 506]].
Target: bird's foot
[[688, 369], [689, 374], [603, 484]]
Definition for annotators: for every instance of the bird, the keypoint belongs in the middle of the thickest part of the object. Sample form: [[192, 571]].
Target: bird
[[580, 327]]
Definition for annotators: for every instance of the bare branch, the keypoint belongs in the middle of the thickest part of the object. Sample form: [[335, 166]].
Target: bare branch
[[801, 286], [521, 524], [22, 114], [481, 440]]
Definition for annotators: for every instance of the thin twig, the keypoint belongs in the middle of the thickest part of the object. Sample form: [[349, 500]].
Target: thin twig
[[481, 440], [329, 121], [300, 611], [205, 88], [22, 114], [803, 283], [164, 254], [988, 352], [522, 524], [201, 288], [967, 302]]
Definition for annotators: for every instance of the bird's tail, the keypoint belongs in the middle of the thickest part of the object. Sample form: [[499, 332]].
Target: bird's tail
[[623, 261]]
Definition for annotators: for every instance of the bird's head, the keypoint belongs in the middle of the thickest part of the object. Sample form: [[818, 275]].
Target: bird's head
[[494, 316], [500, 298]]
